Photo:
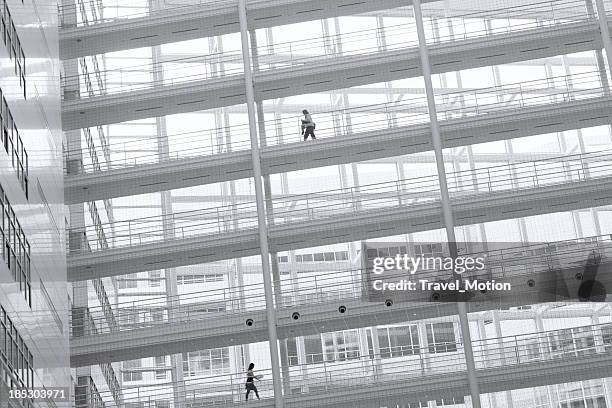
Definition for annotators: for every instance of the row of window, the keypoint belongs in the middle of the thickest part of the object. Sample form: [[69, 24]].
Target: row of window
[[584, 394], [336, 346], [589, 402], [155, 279], [317, 257], [393, 342], [193, 279], [128, 317], [16, 248], [153, 404], [397, 341], [12, 43], [15, 355], [207, 362], [13, 145], [198, 363], [402, 341], [579, 341]]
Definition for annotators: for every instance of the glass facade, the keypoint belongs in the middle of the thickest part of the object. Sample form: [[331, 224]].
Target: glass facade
[[34, 300], [16, 248], [17, 361]]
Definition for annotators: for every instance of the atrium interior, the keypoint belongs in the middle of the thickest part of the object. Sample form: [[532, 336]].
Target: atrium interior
[[201, 231]]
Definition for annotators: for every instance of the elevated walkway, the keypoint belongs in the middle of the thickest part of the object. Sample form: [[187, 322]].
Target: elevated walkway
[[379, 210], [188, 324], [486, 115], [131, 101], [505, 363], [206, 19]]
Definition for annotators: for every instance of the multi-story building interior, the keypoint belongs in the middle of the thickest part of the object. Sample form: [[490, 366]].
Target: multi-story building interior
[[34, 324], [204, 233]]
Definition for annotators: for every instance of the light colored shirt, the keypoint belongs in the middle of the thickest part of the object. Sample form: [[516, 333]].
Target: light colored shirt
[[307, 121]]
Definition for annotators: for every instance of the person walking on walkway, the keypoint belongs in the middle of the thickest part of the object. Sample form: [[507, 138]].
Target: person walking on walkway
[[308, 126], [250, 385]]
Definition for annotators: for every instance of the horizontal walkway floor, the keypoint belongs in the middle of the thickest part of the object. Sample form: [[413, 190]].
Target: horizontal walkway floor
[[211, 18], [385, 209], [491, 123], [331, 72], [506, 363], [190, 329]]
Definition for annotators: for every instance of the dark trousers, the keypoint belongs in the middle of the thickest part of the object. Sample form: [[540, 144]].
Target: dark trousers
[[251, 387], [309, 132]]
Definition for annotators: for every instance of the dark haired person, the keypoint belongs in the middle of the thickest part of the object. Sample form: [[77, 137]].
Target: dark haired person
[[308, 126], [250, 385]]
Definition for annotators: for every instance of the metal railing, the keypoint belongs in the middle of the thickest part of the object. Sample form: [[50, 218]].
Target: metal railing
[[512, 97], [484, 183], [116, 10], [369, 370], [324, 287], [107, 11], [326, 48]]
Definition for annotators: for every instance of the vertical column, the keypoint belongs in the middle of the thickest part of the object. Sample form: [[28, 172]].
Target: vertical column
[[74, 155], [172, 302], [276, 283], [376, 351], [347, 115], [544, 348], [581, 145], [469, 150], [602, 19], [76, 238], [482, 336], [80, 313], [539, 325], [502, 355], [302, 361], [508, 143], [236, 278], [601, 66], [423, 345], [344, 125], [445, 201], [261, 215], [598, 334], [607, 383]]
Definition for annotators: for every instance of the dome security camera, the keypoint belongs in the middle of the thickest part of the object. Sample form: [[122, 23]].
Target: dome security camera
[[295, 315], [389, 302], [531, 283], [249, 322], [342, 309]]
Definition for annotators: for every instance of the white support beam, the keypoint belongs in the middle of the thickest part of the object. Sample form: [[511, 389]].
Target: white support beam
[[447, 214], [261, 210], [602, 19]]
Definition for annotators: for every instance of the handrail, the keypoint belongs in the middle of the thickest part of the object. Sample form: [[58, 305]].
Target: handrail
[[125, 4], [520, 260], [325, 204], [171, 8], [375, 117], [126, 81], [421, 361]]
